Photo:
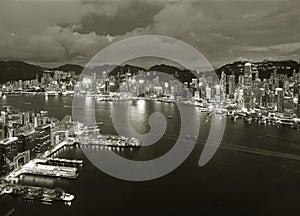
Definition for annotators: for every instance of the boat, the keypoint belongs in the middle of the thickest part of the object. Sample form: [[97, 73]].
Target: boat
[[29, 197], [170, 116], [47, 200], [67, 197]]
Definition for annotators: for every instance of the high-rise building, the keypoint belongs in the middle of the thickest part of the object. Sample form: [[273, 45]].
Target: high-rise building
[[208, 92], [223, 83], [248, 75], [288, 106], [247, 98], [279, 95], [26, 141], [247, 86], [9, 151], [3, 117], [42, 138], [231, 86]]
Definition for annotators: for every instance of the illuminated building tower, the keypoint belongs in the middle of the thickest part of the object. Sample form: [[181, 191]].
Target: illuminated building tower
[[271, 101], [219, 93], [247, 98], [271, 82], [256, 89], [223, 83], [286, 87], [231, 86], [279, 94], [42, 137], [166, 88], [107, 86], [208, 92], [194, 83], [262, 97], [3, 117], [288, 106], [247, 86], [298, 107], [241, 80], [197, 95], [248, 75]]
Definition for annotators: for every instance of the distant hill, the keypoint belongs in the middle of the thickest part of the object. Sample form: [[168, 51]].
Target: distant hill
[[17, 70], [69, 67], [265, 68]]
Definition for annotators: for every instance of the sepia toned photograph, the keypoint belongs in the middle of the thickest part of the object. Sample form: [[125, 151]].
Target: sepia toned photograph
[[149, 107]]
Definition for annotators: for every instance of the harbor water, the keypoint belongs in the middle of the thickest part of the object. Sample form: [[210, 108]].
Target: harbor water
[[256, 170]]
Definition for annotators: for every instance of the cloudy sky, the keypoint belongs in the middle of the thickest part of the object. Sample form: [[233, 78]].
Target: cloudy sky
[[73, 31]]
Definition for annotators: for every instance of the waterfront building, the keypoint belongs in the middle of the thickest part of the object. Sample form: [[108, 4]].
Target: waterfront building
[[42, 137], [26, 141], [8, 150], [288, 106]]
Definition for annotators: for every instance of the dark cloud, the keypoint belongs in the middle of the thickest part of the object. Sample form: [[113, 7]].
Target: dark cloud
[[223, 30], [129, 17]]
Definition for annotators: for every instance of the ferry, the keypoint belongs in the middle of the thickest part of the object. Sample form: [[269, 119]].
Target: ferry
[[68, 197], [52, 93]]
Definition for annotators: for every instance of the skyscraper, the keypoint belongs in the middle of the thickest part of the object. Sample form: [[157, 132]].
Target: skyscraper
[[223, 83], [248, 75], [231, 86], [279, 94], [247, 86]]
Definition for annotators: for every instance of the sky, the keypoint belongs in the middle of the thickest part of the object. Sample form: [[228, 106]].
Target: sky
[[53, 32]]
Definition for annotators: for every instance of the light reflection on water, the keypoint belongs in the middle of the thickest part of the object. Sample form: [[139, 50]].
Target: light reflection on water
[[231, 181]]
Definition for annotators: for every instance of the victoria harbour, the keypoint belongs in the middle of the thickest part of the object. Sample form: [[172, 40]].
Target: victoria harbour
[[257, 179]]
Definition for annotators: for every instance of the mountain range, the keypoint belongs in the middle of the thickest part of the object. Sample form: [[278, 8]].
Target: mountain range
[[19, 70]]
